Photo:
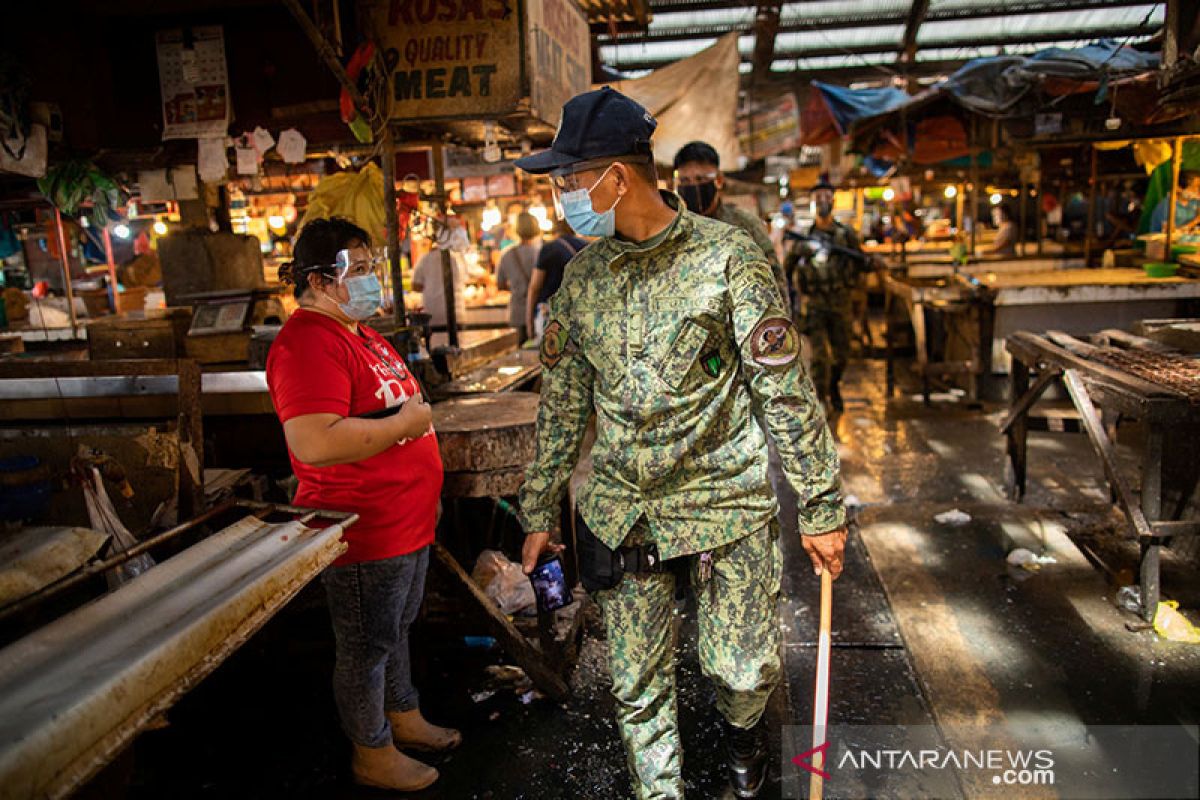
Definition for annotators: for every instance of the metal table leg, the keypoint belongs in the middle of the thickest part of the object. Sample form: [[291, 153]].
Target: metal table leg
[[1152, 509], [1017, 435]]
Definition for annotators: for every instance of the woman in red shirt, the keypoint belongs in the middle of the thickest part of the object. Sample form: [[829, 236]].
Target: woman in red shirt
[[325, 372]]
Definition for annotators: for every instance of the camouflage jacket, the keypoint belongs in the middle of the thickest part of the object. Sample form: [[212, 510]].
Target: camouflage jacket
[[675, 347], [824, 276], [740, 218]]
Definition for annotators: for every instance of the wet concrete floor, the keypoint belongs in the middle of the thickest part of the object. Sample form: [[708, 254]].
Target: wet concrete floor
[[931, 627]]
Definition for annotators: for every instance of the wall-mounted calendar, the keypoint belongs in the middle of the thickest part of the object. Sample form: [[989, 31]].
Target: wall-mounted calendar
[[194, 82]]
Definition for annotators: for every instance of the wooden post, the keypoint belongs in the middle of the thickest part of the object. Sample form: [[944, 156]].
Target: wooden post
[[960, 205], [439, 177], [1172, 31], [112, 267], [328, 54], [191, 441], [1176, 161], [974, 184], [1039, 227], [1089, 236], [1021, 205], [399, 316], [65, 259]]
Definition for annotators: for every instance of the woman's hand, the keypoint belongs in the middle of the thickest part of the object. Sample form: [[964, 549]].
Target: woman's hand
[[323, 440], [414, 418]]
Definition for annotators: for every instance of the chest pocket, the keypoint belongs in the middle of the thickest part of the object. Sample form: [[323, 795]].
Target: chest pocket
[[702, 336], [593, 331], [683, 353]]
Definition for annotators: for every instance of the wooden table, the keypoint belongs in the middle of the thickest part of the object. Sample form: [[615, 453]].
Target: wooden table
[[982, 306], [1104, 396], [502, 374]]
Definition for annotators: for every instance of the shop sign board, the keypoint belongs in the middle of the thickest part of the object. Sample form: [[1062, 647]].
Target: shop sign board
[[451, 58], [559, 56], [770, 128], [194, 82]]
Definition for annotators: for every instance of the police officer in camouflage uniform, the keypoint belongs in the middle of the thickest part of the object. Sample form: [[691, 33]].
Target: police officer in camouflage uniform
[[700, 182], [670, 329], [825, 266]]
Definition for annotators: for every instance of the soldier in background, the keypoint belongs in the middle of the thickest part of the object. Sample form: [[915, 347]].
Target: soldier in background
[[670, 329], [700, 182], [826, 265]]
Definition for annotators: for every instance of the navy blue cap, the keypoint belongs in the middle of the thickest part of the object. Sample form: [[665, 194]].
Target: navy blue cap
[[599, 124]]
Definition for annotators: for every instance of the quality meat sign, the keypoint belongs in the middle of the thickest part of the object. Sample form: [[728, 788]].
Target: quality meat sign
[[452, 58]]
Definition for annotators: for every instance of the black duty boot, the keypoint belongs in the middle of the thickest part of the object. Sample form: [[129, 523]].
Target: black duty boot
[[835, 389], [746, 750]]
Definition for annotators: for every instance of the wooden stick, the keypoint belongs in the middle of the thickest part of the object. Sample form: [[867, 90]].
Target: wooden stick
[[821, 696]]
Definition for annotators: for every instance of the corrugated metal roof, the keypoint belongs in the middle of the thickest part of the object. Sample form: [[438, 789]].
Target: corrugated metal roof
[[831, 35]]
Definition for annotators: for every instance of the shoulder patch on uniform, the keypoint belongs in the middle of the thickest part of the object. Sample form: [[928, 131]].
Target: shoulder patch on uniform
[[774, 342], [555, 341]]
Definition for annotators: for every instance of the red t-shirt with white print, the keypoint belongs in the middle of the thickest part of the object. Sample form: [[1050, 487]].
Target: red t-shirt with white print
[[317, 366]]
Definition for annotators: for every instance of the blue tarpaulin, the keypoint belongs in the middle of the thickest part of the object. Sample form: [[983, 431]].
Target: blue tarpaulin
[[847, 106], [1107, 53], [998, 86]]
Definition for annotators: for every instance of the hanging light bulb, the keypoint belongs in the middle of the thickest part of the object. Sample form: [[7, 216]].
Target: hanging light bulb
[[889, 194], [121, 231], [996, 198], [950, 192], [160, 227]]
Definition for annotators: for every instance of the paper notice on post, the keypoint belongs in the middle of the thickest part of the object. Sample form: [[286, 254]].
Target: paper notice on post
[[214, 163], [183, 179], [292, 146], [263, 140], [247, 160], [153, 186]]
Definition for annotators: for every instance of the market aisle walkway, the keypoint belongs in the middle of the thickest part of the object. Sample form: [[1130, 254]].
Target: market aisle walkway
[[930, 626]]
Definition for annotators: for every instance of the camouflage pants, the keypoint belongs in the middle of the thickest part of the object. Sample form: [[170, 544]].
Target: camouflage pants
[[739, 651], [828, 330]]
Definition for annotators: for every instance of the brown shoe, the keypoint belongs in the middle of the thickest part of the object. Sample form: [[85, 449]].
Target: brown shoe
[[410, 729], [387, 768]]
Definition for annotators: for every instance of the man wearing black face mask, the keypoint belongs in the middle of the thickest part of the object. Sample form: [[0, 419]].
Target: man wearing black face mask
[[699, 181]]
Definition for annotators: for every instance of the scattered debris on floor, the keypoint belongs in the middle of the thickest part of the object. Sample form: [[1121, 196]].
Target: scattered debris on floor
[[1173, 626], [953, 517], [1027, 559]]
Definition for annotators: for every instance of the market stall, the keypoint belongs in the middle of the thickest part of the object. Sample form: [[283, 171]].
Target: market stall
[[1124, 378], [975, 309]]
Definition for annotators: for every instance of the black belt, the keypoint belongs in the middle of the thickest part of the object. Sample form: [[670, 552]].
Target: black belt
[[641, 558]]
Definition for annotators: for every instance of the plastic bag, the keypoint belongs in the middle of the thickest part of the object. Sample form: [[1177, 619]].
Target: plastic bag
[[104, 518], [356, 196], [503, 582], [1172, 625]]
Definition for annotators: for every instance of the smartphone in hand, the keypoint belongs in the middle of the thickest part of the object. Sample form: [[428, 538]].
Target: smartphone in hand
[[550, 585], [383, 412]]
